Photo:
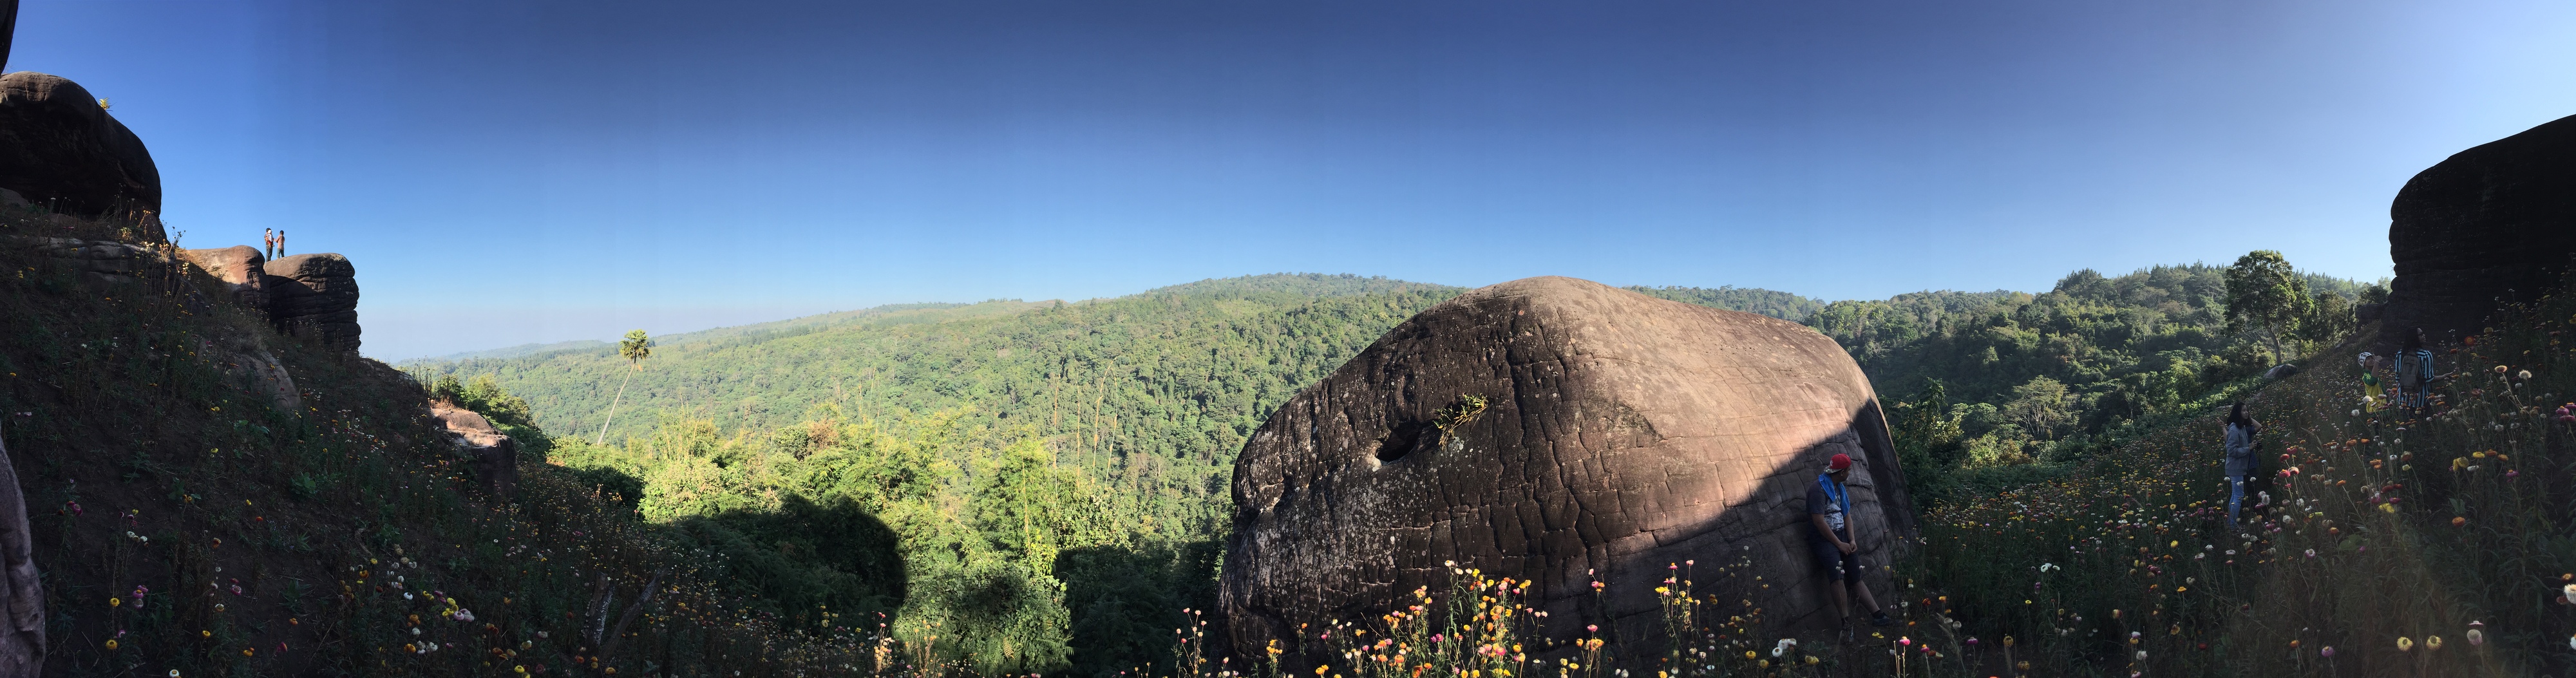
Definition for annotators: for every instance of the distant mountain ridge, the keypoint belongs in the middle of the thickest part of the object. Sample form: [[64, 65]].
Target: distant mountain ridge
[[1783, 305], [890, 314], [520, 350]]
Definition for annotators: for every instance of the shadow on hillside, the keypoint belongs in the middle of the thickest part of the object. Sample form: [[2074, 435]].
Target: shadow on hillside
[[807, 557], [1126, 600], [611, 484]]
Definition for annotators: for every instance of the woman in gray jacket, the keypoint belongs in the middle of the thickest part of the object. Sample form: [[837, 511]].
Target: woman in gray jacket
[[2241, 429]]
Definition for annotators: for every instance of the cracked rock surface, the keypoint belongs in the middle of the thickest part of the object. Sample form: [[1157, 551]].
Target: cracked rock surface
[[1621, 433]]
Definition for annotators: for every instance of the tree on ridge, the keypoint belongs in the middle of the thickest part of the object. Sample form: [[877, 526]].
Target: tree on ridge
[[634, 348], [2263, 290]]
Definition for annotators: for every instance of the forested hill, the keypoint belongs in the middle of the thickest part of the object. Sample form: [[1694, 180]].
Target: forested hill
[[2003, 379], [1073, 457], [1783, 305], [1184, 371]]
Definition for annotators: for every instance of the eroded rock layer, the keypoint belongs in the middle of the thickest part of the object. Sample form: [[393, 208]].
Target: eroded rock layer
[[314, 296], [241, 268], [1620, 433], [2492, 224]]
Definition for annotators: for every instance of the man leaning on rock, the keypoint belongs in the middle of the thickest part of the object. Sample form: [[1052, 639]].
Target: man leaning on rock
[[1829, 508]]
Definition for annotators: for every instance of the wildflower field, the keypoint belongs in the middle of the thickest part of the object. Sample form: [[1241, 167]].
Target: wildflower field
[[2381, 543], [1482, 626]]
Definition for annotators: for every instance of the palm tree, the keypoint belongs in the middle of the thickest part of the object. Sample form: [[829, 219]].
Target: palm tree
[[634, 348]]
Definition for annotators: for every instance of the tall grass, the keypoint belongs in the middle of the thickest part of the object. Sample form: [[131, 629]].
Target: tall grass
[[2390, 544]]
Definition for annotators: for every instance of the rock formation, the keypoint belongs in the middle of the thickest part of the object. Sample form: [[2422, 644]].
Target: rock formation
[[314, 296], [102, 260], [1619, 433], [2492, 223], [241, 268], [493, 456], [22, 593], [60, 150], [254, 369]]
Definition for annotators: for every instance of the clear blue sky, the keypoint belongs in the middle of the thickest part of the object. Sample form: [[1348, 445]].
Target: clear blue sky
[[508, 172]]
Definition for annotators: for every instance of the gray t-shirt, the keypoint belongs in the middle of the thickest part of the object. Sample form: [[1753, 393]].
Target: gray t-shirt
[[2240, 451]]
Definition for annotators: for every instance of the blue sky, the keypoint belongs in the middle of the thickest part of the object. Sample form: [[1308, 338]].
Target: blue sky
[[509, 172]]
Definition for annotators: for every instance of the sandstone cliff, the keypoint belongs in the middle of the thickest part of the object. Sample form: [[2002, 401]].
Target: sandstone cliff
[[2495, 223], [314, 296], [1621, 433], [241, 269]]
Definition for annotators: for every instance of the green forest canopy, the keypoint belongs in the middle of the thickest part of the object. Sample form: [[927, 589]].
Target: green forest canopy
[[1056, 473]]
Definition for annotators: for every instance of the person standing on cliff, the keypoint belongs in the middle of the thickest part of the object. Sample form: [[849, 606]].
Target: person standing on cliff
[[268, 242], [1829, 509], [281, 243]]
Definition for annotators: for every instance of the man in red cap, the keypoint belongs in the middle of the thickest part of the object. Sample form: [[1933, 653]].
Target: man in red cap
[[1829, 507]]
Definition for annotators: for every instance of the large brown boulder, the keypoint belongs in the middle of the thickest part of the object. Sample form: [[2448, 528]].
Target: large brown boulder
[[314, 296], [2495, 223], [59, 149], [241, 268], [493, 456], [254, 369], [1621, 433]]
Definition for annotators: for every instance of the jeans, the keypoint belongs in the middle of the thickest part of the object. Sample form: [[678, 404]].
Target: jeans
[[2235, 499]]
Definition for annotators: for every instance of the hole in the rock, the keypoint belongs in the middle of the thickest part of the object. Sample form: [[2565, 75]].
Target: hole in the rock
[[1402, 441]]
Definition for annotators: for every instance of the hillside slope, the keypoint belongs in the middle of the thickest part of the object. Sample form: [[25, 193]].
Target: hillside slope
[[2379, 543], [214, 498]]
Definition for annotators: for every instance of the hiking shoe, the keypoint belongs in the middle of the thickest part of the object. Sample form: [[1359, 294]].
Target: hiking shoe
[[1880, 619]]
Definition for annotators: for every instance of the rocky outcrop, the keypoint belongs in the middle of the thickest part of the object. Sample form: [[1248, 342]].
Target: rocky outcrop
[[314, 296], [494, 457], [102, 260], [1619, 433], [22, 593], [2495, 223], [254, 369], [62, 151], [241, 268]]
